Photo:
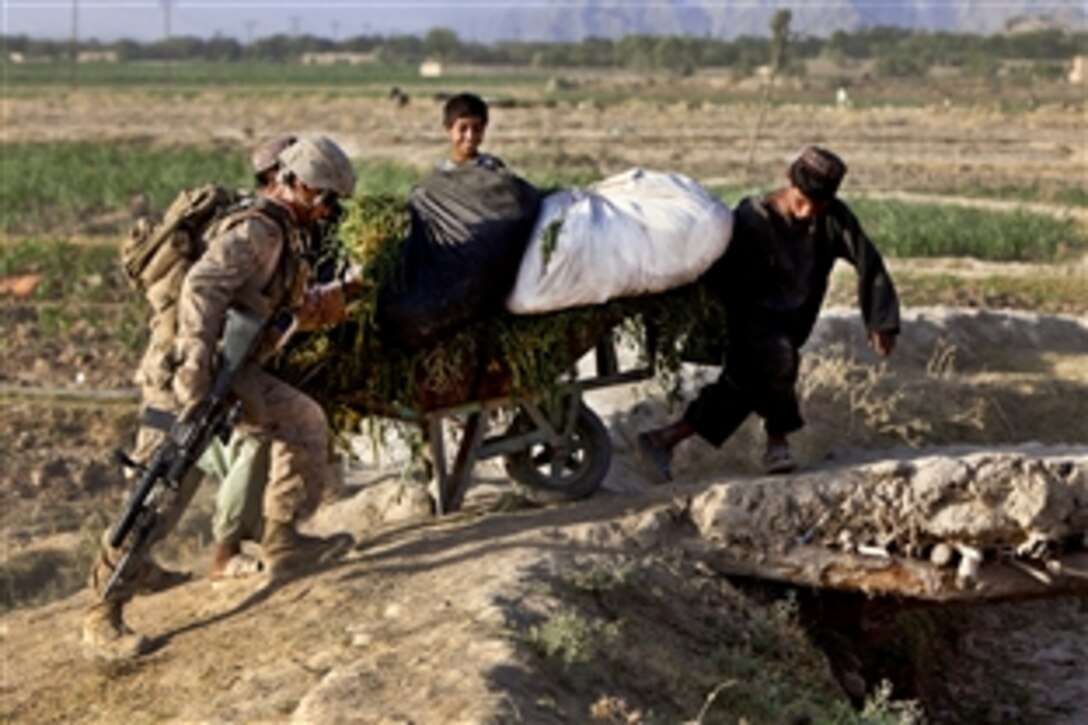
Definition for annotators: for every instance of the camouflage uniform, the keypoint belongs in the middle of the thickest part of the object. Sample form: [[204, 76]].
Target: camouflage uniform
[[254, 262], [242, 267]]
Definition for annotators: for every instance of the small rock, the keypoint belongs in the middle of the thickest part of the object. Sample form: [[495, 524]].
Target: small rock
[[970, 562], [941, 555]]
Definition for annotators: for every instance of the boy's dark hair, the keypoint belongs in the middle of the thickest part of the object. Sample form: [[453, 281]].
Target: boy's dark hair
[[464, 105]]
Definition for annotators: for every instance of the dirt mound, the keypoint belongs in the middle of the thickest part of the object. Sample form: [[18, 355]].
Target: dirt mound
[[537, 615], [991, 501], [961, 340]]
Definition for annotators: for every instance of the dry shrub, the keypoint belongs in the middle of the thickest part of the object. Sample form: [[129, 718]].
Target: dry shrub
[[852, 404]]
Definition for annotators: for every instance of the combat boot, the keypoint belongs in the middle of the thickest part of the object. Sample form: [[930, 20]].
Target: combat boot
[[157, 578], [107, 637], [287, 552]]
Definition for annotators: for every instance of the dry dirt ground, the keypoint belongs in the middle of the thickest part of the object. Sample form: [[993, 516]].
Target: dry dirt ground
[[541, 615], [535, 615]]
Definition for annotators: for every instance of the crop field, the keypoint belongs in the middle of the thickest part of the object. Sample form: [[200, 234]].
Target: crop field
[[976, 195]]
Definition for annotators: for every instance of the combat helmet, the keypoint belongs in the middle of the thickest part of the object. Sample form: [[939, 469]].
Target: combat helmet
[[320, 163]]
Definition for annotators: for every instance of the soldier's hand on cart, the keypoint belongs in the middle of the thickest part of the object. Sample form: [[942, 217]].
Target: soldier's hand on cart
[[352, 280]]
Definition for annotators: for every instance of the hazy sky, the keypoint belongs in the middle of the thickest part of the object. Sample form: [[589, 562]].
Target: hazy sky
[[480, 19], [146, 19]]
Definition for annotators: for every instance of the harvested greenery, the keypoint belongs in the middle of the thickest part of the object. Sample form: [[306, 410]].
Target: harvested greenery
[[353, 372]]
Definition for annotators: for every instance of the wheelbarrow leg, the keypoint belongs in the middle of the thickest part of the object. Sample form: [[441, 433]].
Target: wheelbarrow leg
[[467, 454], [436, 440], [607, 361]]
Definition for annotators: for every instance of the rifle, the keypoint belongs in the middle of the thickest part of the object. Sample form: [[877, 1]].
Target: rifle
[[186, 442]]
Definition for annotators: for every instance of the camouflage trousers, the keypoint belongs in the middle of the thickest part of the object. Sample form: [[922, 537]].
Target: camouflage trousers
[[295, 429]]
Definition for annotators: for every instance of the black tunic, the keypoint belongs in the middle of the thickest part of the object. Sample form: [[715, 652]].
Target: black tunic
[[772, 281], [774, 275]]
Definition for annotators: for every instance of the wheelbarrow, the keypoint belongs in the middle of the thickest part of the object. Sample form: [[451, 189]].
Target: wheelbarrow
[[554, 445]]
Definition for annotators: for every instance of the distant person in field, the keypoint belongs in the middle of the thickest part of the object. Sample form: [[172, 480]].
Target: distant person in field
[[771, 282], [465, 119]]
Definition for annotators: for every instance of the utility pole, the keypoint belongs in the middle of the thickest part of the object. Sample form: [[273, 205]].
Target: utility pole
[[167, 6], [250, 27], [780, 38], [73, 51]]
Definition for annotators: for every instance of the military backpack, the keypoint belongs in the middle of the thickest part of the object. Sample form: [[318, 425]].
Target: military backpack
[[155, 249]]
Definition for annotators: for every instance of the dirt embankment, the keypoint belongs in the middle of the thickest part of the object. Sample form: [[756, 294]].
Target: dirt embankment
[[542, 614], [539, 615]]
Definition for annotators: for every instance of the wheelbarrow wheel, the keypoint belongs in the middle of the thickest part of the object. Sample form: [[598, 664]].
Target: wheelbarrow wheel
[[572, 472]]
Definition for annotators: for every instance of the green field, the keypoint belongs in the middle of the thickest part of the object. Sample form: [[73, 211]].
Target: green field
[[63, 187]]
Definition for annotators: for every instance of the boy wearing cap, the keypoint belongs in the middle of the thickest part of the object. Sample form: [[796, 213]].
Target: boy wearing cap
[[772, 281]]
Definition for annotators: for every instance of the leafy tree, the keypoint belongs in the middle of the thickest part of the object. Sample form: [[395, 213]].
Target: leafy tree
[[223, 49], [671, 54], [780, 39], [899, 65], [401, 49], [636, 51], [442, 44]]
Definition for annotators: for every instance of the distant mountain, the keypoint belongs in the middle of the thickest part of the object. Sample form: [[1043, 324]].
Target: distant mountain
[[573, 20]]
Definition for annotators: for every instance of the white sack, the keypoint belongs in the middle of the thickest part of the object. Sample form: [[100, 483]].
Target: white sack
[[632, 234]]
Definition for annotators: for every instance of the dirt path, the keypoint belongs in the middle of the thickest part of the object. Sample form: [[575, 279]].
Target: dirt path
[[470, 619]]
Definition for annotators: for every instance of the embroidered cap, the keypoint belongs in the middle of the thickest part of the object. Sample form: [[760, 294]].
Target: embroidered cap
[[817, 173]]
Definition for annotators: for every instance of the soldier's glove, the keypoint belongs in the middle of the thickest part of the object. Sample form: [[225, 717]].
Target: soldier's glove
[[353, 280], [192, 377], [323, 305]]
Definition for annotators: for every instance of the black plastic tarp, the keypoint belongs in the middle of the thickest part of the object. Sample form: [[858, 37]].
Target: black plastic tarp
[[469, 229]]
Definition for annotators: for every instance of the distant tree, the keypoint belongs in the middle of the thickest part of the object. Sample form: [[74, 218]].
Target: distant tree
[[178, 47], [671, 54], [780, 39], [401, 49], [982, 65], [594, 53], [14, 43], [899, 65], [712, 52], [636, 51], [442, 44], [274, 48], [128, 50], [361, 43], [751, 53], [221, 49], [847, 46]]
